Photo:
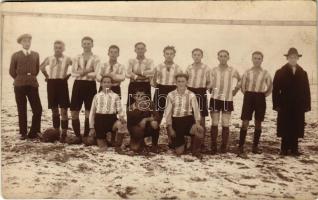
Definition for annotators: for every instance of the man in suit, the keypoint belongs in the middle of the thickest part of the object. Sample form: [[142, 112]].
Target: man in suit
[[24, 68], [291, 99]]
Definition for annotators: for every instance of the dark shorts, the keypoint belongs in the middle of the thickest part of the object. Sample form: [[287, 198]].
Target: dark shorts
[[182, 127], [160, 97], [83, 92], [145, 86], [103, 124], [201, 95], [136, 132], [218, 105], [115, 89], [253, 101], [57, 93]]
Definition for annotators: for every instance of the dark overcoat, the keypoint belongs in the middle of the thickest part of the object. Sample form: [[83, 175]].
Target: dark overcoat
[[291, 98]]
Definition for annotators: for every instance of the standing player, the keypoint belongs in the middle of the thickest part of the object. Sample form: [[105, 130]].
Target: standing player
[[199, 80], [256, 86], [140, 71], [222, 78], [84, 88], [57, 87], [164, 79], [112, 68], [116, 71], [183, 117], [24, 68]]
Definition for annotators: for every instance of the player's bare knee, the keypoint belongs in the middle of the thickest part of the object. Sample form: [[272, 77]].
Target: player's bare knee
[[117, 125], [64, 115], [180, 150], [154, 124], [245, 124], [87, 113]]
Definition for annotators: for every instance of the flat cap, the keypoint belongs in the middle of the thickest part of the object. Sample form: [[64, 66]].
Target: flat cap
[[26, 35]]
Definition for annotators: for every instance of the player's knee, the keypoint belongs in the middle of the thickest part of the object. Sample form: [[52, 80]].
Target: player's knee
[[117, 125], [64, 115], [87, 113], [154, 124], [180, 150], [245, 124]]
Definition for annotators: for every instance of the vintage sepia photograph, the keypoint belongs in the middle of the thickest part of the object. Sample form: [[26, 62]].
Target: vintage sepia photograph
[[159, 100]]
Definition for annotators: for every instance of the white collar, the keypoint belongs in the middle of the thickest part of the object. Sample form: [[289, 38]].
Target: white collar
[[26, 51]]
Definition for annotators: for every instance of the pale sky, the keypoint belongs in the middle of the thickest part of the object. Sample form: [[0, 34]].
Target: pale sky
[[241, 41]]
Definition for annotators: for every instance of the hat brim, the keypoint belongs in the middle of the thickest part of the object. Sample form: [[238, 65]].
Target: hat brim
[[22, 37], [299, 55]]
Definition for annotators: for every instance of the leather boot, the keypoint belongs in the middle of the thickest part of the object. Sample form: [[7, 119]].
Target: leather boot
[[101, 143], [214, 135], [196, 147], [241, 152], [257, 135], [225, 139]]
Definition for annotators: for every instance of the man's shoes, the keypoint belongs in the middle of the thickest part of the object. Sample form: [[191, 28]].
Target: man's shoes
[[296, 153], [33, 136], [256, 150], [241, 153], [154, 149], [23, 137], [283, 153]]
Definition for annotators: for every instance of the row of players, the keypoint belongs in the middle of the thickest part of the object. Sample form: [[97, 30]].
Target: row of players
[[184, 107]]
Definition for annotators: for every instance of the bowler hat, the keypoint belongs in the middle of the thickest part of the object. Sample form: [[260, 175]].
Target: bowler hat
[[26, 35], [292, 51]]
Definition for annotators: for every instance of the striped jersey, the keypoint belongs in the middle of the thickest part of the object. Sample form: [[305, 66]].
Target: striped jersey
[[181, 105], [79, 65], [105, 103], [222, 82], [117, 70], [199, 77], [143, 67], [57, 67], [256, 80], [165, 75]]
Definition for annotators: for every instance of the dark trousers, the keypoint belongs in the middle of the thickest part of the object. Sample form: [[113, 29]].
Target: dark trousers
[[289, 142], [22, 93]]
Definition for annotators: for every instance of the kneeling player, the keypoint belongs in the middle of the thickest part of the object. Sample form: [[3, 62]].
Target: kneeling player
[[183, 117], [103, 115], [142, 122]]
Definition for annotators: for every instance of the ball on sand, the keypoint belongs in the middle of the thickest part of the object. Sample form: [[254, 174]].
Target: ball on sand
[[50, 135], [72, 139], [89, 140]]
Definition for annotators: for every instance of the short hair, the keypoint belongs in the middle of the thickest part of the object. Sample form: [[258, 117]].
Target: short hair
[[138, 43], [258, 53], [138, 89], [59, 42], [223, 51], [106, 76], [169, 48], [197, 49], [113, 47], [88, 38], [183, 75]]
